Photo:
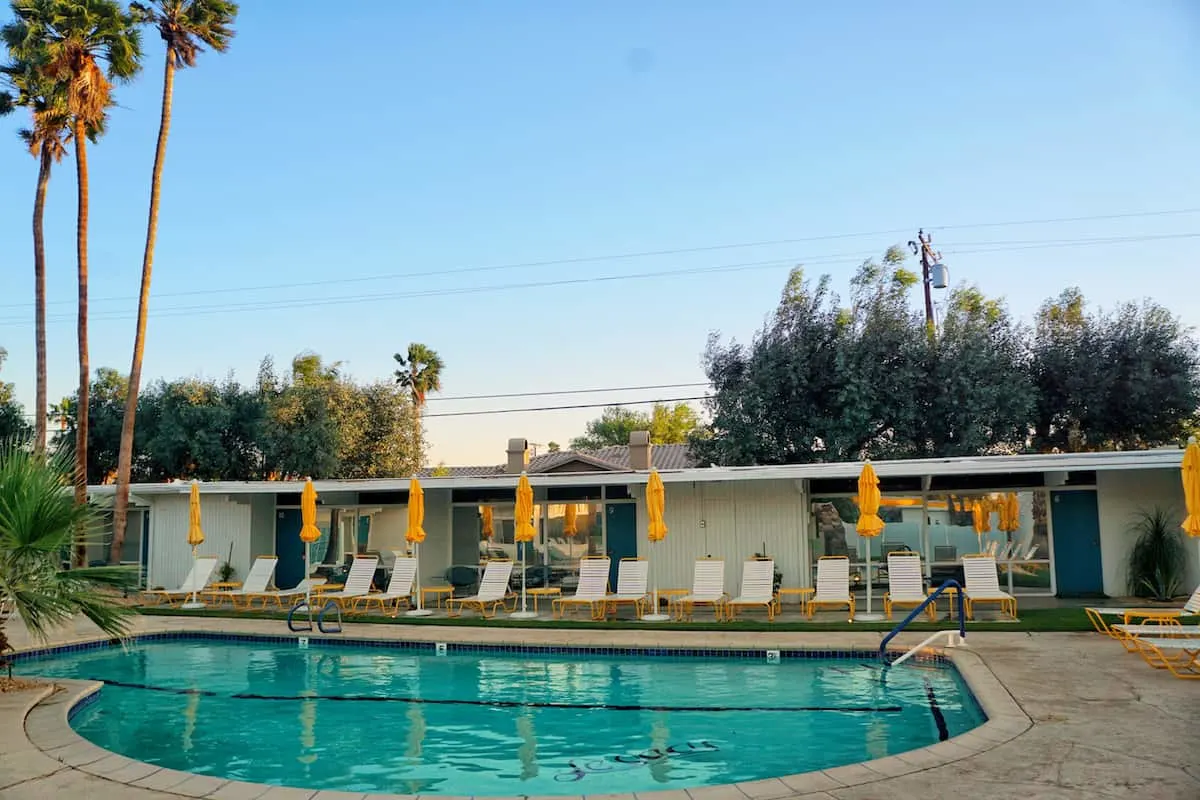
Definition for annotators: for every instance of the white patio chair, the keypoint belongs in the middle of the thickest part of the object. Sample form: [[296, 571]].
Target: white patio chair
[[592, 589], [708, 588], [358, 583], [257, 581], [493, 590], [758, 589], [399, 589], [197, 578], [983, 586], [833, 585], [906, 584], [633, 578]]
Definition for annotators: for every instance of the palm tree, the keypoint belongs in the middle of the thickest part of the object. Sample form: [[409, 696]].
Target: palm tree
[[39, 521], [46, 141], [420, 373], [186, 26], [67, 41]]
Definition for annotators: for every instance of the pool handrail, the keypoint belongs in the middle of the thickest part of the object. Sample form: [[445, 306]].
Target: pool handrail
[[933, 596], [294, 627], [321, 618]]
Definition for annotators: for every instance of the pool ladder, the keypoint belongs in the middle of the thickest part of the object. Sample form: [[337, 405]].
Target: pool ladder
[[295, 626], [954, 638]]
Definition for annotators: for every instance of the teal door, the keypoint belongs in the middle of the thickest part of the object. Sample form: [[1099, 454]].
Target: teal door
[[1077, 565], [289, 571], [622, 536]]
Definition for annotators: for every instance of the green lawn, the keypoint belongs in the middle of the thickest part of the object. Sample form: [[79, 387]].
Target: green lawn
[[1033, 620]]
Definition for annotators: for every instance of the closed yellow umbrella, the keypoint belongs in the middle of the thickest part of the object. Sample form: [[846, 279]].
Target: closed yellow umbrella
[[1010, 513], [414, 536], [981, 514], [487, 526], [1191, 487], [656, 528], [869, 523], [570, 527], [195, 537], [309, 533], [524, 533]]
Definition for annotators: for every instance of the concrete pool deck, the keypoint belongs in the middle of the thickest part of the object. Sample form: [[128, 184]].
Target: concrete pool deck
[[1071, 716]]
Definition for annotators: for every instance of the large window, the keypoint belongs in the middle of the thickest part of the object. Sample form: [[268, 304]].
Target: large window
[[573, 530]]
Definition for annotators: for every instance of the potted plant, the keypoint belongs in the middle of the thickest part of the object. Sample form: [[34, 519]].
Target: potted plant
[[1156, 562]]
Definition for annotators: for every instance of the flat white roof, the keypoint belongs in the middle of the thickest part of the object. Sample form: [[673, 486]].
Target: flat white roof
[[1165, 458]]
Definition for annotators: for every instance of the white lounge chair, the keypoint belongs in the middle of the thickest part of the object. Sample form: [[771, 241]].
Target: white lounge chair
[[983, 586], [257, 581], [399, 589], [708, 588], [278, 596], [493, 590], [833, 585], [758, 589], [906, 584], [633, 576], [358, 582], [592, 589], [1180, 656], [1165, 629], [197, 578], [1127, 614]]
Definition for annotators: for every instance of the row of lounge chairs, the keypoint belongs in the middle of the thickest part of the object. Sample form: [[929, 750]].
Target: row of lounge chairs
[[1156, 634]]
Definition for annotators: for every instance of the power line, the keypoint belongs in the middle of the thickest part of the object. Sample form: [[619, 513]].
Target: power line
[[569, 391], [563, 408], [637, 254], [258, 306]]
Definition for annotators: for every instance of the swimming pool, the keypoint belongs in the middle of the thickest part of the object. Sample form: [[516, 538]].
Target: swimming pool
[[501, 721]]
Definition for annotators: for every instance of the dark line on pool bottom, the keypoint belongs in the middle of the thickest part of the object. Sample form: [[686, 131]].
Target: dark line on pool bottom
[[499, 703], [939, 718]]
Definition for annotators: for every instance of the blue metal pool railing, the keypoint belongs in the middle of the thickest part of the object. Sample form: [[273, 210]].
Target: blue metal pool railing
[[962, 620], [322, 626]]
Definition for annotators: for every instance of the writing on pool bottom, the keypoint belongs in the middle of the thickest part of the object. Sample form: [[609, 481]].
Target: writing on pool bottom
[[578, 770]]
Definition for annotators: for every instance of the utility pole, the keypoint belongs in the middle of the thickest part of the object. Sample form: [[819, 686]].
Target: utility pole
[[923, 246]]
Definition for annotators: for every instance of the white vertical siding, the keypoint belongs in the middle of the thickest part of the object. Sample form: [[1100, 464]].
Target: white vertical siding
[[1120, 495], [262, 525], [224, 522], [390, 526], [729, 520]]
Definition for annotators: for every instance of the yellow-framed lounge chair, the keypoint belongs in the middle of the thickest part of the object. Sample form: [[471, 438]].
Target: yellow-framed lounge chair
[[492, 594], [1153, 629], [983, 586], [708, 589], [197, 578], [1180, 656], [257, 581], [833, 585], [278, 596], [633, 576], [1127, 615], [399, 589], [758, 589], [592, 590], [906, 584], [358, 583]]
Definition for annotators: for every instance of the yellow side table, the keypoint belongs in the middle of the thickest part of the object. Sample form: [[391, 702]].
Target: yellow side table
[[439, 593], [543, 591], [951, 594], [217, 592], [801, 593]]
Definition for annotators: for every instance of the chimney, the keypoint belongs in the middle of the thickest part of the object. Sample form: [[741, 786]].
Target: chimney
[[518, 456], [639, 450]]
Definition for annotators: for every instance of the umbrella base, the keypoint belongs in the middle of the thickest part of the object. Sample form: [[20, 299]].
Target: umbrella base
[[868, 618], [523, 615], [655, 617], [419, 612], [192, 606]]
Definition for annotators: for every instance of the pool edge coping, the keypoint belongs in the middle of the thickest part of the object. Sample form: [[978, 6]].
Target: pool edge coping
[[46, 725]]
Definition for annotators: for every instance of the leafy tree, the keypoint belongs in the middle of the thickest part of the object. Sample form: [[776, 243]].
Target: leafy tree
[[38, 522], [1123, 379], [667, 425], [46, 139], [377, 431], [554, 447], [106, 407], [12, 416], [186, 27], [68, 40]]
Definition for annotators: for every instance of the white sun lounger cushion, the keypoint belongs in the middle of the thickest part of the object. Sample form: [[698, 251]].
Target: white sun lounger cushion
[[358, 583], [833, 581], [633, 576], [593, 581], [708, 582], [404, 571], [758, 583], [258, 578], [906, 581], [494, 584], [197, 578], [983, 581]]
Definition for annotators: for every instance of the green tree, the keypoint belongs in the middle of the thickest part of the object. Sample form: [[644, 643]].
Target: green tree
[[50, 129], [420, 374], [68, 40], [667, 424], [38, 522], [186, 27], [106, 406], [1124, 379], [376, 426], [12, 415]]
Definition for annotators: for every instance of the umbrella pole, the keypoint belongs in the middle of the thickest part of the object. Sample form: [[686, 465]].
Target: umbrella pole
[[194, 558], [307, 585], [417, 559], [870, 615]]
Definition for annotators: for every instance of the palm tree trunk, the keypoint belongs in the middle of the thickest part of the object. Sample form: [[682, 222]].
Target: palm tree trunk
[[81, 254], [125, 457], [39, 294]]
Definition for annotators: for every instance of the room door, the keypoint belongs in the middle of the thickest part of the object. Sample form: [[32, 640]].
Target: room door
[[1078, 569], [621, 530]]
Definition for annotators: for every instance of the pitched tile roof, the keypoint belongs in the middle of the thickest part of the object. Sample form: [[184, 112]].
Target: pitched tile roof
[[606, 459]]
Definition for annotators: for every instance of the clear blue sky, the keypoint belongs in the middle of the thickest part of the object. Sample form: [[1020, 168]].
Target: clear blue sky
[[392, 138]]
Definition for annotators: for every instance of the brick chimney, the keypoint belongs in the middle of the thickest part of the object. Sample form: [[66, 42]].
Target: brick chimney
[[639, 450], [518, 456]]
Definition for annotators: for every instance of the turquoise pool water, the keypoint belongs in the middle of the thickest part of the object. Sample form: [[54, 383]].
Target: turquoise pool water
[[370, 719]]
